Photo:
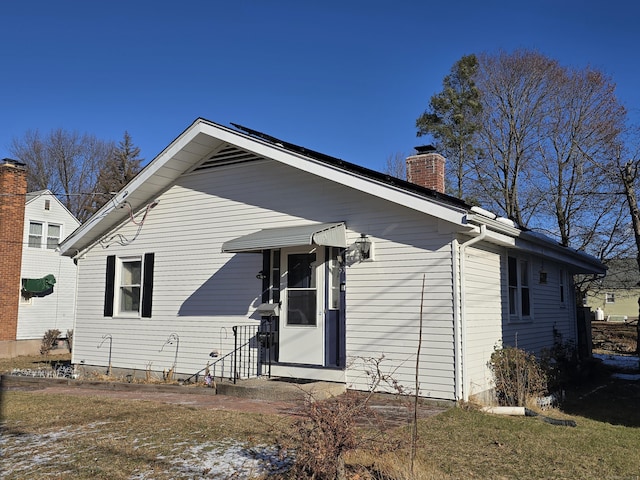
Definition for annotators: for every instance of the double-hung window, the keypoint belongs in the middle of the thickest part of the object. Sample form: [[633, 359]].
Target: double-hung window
[[129, 286], [53, 236], [35, 234], [519, 289]]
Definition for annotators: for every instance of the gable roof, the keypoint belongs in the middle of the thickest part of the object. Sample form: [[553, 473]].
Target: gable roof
[[32, 196], [205, 145]]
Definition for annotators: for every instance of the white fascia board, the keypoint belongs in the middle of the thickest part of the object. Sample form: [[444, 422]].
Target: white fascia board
[[492, 236], [147, 172], [539, 244], [417, 202], [581, 261]]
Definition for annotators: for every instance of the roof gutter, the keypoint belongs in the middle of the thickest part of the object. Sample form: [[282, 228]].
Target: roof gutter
[[502, 233]]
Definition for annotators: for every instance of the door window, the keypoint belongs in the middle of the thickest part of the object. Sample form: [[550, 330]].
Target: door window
[[301, 289]]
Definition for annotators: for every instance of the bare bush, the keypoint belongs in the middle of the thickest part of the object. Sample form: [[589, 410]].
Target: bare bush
[[49, 341], [518, 376]]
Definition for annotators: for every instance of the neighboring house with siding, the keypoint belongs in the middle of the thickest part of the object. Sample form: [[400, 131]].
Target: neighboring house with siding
[[45, 305], [38, 284], [616, 295], [232, 228]]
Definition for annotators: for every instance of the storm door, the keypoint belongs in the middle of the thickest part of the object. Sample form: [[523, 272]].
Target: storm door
[[302, 310]]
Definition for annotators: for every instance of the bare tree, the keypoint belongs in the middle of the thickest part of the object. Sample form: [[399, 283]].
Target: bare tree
[[625, 166], [582, 124], [514, 91], [396, 165], [64, 162]]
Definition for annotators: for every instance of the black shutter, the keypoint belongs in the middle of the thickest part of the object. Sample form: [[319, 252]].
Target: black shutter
[[147, 285], [109, 286], [266, 273]]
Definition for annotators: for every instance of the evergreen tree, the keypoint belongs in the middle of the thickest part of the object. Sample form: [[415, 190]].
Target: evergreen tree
[[117, 171], [451, 120]]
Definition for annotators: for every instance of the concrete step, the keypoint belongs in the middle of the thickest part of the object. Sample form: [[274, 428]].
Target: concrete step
[[280, 389]]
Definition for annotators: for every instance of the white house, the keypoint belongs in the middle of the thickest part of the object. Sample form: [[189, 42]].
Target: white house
[[229, 227], [45, 305]]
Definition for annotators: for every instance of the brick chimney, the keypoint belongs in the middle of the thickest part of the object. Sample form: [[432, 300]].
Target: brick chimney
[[426, 168], [13, 188]]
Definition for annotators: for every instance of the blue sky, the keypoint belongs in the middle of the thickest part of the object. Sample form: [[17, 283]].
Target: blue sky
[[347, 78]]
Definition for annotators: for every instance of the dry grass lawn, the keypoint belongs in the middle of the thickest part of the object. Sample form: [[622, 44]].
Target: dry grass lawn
[[58, 436]]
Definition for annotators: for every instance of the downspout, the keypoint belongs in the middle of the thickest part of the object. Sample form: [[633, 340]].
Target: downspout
[[76, 261], [461, 361], [455, 249]]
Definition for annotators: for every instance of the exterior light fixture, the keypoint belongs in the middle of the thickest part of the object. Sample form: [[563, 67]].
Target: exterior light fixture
[[363, 245], [543, 277]]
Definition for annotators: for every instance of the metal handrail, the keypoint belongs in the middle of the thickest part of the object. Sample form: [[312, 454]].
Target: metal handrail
[[246, 362]]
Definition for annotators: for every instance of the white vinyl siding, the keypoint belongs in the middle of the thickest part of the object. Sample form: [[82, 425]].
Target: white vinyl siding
[[54, 311], [550, 313], [482, 314], [199, 293]]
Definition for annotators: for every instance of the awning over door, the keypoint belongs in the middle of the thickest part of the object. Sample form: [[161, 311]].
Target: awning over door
[[327, 234]]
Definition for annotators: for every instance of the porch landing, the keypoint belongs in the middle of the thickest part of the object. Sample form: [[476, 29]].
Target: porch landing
[[280, 389]]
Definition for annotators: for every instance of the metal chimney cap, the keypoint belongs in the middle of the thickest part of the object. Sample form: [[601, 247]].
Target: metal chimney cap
[[425, 149], [11, 161]]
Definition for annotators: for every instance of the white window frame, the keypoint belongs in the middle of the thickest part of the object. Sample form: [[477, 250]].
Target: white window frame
[[49, 237], [43, 238], [39, 237], [517, 291], [609, 297], [119, 287]]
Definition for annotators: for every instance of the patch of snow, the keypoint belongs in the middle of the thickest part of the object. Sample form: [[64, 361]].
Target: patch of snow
[[623, 362], [23, 454], [236, 459]]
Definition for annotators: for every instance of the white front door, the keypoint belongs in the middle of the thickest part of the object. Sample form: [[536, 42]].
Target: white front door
[[302, 310]]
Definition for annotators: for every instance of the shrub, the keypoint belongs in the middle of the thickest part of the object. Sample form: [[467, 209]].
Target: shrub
[[330, 430], [322, 437], [49, 341], [561, 363], [518, 376]]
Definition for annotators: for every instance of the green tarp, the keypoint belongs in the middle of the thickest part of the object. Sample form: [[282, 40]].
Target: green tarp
[[38, 285]]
